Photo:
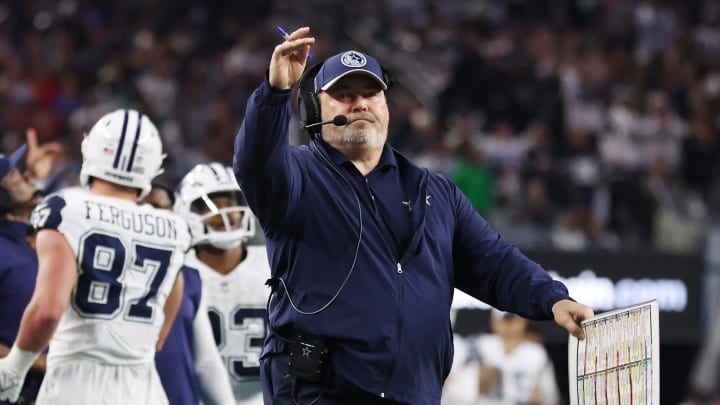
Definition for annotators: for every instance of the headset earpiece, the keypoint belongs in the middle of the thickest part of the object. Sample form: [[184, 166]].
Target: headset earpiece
[[308, 100], [388, 77]]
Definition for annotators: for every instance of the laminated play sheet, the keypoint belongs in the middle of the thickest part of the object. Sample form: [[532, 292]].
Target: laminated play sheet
[[618, 362]]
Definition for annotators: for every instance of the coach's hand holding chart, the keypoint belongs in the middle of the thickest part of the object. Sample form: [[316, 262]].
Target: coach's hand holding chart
[[619, 359]]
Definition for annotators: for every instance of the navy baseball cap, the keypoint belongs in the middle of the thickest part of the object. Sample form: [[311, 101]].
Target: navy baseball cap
[[338, 66], [7, 163]]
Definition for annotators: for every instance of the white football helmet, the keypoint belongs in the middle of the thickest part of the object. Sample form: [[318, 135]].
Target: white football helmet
[[124, 148], [222, 227]]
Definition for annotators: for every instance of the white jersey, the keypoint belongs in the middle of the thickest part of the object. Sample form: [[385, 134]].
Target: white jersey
[[236, 304], [526, 375], [128, 260]]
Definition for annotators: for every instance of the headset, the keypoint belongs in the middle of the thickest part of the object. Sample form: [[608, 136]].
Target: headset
[[309, 102]]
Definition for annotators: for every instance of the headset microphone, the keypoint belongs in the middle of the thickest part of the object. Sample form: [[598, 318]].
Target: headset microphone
[[338, 120]]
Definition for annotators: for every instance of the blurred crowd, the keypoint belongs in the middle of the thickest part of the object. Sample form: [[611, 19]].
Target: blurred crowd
[[570, 124]]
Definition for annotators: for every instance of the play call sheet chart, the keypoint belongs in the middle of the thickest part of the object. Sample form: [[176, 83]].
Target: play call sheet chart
[[618, 362]]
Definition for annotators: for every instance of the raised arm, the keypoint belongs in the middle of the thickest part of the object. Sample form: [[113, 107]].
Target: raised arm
[[263, 163], [289, 58]]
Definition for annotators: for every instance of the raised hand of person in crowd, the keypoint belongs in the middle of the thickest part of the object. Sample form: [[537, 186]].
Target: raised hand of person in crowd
[[289, 58], [569, 314], [40, 158]]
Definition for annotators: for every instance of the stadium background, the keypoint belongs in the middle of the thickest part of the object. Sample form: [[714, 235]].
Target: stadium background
[[586, 131]]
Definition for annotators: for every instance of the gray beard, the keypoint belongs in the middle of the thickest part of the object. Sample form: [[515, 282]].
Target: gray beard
[[362, 137]]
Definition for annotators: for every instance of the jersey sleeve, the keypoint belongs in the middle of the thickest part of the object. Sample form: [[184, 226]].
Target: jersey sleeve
[[48, 214], [57, 212]]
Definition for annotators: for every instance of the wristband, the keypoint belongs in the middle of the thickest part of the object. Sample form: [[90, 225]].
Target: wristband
[[20, 360]]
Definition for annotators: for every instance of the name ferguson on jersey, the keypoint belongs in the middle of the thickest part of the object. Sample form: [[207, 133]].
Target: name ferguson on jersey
[[145, 223]]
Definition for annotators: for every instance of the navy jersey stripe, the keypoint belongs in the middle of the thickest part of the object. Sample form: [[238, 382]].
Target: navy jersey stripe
[[217, 174], [135, 142], [122, 142]]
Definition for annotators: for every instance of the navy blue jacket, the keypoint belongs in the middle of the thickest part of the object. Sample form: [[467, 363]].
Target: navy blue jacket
[[390, 324], [18, 271]]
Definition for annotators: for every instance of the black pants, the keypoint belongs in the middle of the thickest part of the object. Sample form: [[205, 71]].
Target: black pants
[[278, 387]]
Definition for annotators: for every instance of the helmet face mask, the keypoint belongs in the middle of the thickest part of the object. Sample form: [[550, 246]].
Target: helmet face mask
[[123, 148], [211, 202]]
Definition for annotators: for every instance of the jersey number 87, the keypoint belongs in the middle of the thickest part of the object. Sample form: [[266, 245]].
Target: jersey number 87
[[99, 289]]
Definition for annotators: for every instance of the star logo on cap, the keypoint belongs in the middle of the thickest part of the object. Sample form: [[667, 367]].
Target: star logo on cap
[[353, 59]]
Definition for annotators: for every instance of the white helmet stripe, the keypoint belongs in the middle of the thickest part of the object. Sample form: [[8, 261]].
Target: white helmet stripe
[[135, 142], [118, 152]]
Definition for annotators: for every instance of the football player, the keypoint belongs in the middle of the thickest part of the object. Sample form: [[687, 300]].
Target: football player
[[108, 285], [233, 274], [503, 367]]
